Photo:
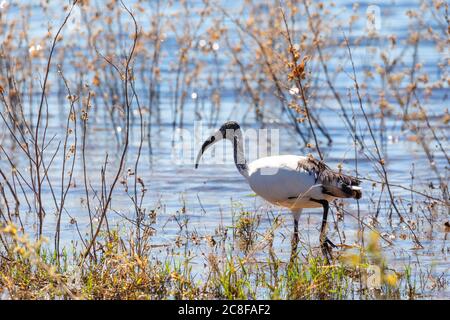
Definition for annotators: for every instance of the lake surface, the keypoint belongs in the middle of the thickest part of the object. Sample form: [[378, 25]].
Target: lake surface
[[213, 192]]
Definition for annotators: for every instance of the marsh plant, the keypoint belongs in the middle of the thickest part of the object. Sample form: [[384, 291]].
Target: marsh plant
[[94, 95]]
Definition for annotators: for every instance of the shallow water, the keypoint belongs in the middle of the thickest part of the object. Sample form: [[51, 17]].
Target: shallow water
[[211, 193]]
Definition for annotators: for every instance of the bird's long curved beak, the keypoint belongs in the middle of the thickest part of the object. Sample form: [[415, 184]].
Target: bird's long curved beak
[[208, 143]]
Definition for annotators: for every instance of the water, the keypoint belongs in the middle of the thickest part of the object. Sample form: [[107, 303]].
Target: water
[[211, 193]]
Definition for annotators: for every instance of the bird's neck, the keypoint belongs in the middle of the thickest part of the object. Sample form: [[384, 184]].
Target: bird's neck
[[239, 155]]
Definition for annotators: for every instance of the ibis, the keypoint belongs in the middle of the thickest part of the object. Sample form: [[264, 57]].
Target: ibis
[[290, 181]]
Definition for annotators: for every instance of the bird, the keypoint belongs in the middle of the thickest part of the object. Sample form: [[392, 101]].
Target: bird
[[290, 181]]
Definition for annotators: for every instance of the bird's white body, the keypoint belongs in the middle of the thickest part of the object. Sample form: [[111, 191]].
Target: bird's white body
[[280, 180]]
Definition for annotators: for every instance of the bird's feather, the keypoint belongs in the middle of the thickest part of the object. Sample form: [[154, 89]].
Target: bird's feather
[[334, 183]]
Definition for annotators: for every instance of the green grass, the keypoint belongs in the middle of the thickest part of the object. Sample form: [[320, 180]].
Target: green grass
[[28, 271]]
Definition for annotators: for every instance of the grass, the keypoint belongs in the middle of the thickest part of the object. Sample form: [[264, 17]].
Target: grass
[[31, 271]]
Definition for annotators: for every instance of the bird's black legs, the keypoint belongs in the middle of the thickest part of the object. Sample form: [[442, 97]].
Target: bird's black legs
[[295, 231], [325, 243], [294, 242], [295, 239], [295, 236]]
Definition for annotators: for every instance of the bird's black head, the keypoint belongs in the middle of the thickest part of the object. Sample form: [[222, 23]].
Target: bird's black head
[[228, 128], [227, 131]]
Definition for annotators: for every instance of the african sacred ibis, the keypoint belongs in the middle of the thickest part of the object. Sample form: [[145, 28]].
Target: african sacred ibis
[[290, 181]]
